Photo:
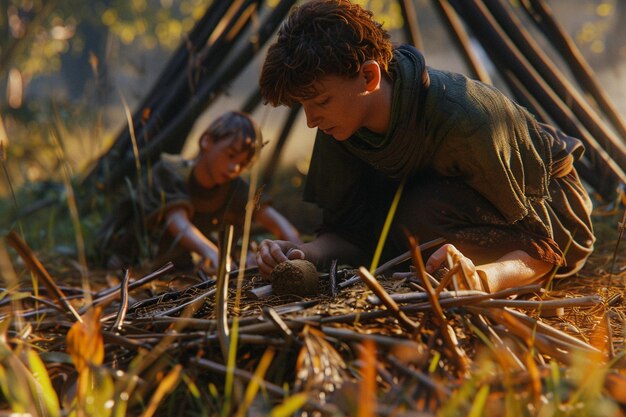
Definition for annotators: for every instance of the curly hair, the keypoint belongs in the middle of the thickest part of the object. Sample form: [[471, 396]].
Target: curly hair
[[320, 38]]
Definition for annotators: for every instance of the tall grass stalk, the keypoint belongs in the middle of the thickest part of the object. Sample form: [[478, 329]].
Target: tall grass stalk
[[167, 385], [73, 208], [3, 157], [234, 334], [24, 380], [367, 385], [387, 226], [140, 206], [255, 383]]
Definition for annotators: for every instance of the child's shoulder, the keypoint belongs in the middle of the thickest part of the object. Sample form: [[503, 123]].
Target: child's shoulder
[[175, 160], [169, 164]]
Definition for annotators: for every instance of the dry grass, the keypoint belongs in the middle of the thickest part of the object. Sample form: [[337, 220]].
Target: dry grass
[[460, 355]]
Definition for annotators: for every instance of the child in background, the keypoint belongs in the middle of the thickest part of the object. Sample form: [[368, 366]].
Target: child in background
[[182, 203]]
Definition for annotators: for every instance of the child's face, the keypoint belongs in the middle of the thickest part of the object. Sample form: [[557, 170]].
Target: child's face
[[222, 161], [340, 108]]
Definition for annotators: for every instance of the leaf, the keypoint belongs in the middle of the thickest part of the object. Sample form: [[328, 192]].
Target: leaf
[[166, 386], [289, 406], [478, 406], [46, 392], [84, 341]]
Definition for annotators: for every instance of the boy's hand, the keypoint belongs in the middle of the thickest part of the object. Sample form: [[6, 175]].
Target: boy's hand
[[273, 252], [439, 259]]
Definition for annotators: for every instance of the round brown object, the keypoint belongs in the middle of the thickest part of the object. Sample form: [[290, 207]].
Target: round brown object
[[297, 277]]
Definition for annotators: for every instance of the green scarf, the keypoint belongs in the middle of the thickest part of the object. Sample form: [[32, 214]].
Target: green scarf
[[408, 154]]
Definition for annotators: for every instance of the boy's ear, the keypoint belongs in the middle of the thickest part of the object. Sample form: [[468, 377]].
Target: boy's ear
[[372, 74], [205, 142]]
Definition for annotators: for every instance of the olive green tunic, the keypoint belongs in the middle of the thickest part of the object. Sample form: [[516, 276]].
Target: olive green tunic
[[494, 166]]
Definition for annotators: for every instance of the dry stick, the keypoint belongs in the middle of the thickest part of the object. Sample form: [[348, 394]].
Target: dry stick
[[553, 346], [388, 342], [181, 58], [441, 390], [621, 226], [199, 300], [118, 340], [204, 324], [205, 364], [586, 301], [506, 55], [530, 338], [375, 286], [609, 334], [411, 27], [169, 296], [456, 353], [271, 315], [265, 327], [392, 262], [221, 293], [259, 293], [40, 271], [423, 296], [481, 323], [124, 304], [113, 293], [177, 294], [460, 36], [332, 275], [612, 143], [444, 301], [543, 17], [551, 331]]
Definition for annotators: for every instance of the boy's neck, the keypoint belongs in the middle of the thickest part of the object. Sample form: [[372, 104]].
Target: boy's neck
[[380, 108]]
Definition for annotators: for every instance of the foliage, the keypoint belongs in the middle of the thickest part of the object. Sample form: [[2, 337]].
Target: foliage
[[56, 69]]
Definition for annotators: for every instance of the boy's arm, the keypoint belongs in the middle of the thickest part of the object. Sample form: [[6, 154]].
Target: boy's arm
[[190, 237], [320, 251], [276, 223], [512, 269]]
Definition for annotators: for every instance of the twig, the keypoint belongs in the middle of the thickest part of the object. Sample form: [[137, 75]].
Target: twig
[[124, 304], [375, 286], [423, 296], [551, 331], [392, 262], [221, 293], [205, 364], [387, 342], [587, 301], [332, 275], [271, 315], [260, 293], [40, 271], [441, 390], [454, 351], [191, 302], [111, 294]]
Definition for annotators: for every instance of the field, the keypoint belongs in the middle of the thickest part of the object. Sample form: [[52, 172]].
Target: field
[[167, 342]]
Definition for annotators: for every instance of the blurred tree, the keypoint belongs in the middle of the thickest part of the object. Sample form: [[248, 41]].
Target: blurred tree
[[54, 59], [41, 37]]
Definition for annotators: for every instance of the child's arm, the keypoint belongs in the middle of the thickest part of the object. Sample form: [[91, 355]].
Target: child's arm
[[190, 237], [320, 251], [276, 223]]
